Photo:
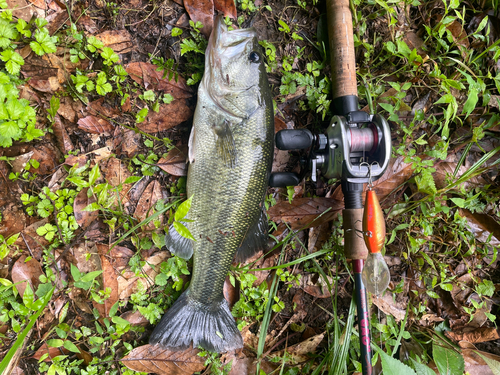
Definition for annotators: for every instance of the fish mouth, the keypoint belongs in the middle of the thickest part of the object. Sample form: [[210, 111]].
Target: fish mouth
[[227, 44], [223, 46]]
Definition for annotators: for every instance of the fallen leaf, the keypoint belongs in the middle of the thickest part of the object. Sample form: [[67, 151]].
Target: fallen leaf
[[304, 212], [119, 40], [147, 202], [116, 173], [388, 305], [13, 220], [23, 271], [202, 11], [126, 142], [482, 225], [71, 160], [152, 358], [227, 7], [82, 200], [20, 9], [62, 136], [95, 125], [175, 163], [231, 293], [109, 278], [481, 334], [475, 363], [167, 117], [102, 108], [315, 285], [53, 352], [146, 75], [135, 318], [298, 352], [127, 280], [318, 236], [17, 371], [444, 175]]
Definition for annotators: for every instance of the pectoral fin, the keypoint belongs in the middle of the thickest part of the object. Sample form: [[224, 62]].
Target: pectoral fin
[[255, 239], [225, 143], [177, 244]]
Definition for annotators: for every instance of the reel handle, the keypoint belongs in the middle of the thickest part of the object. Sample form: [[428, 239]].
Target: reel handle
[[294, 139], [284, 179]]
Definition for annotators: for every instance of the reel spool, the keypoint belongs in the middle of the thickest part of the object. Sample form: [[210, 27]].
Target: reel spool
[[352, 149]]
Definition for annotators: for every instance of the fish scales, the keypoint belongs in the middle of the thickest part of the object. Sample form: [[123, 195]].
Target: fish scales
[[230, 151]]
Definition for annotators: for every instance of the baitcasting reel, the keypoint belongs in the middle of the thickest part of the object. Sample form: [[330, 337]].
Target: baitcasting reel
[[355, 148]]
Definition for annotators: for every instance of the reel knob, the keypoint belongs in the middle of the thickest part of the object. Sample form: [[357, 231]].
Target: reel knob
[[294, 139], [283, 179]]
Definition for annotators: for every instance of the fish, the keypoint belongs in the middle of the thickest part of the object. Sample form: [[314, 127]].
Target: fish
[[230, 155]]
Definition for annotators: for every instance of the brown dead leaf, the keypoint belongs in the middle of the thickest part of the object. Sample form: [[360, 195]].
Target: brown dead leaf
[[119, 40], [21, 9], [318, 236], [13, 220], [298, 352], [127, 280], [135, 318], [315, 285], [444, 175], [71, 160], [203, 11], [17, 371], [146, 75], [475, 364], [482, 226], [175, 163], [304, 212], [231, 293], [95, 125], [152, 358], [102, 108], [389, 306], [167, 117], [126, 141], [53, 352], [62, 136], [109, 279], [482, 334], [82, 200], [227, 7], [30, 271], [147, 202], [20, 162]]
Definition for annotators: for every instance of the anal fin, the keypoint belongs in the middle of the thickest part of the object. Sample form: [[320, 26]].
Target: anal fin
[[255, 239], [177, 244], [225, 143]]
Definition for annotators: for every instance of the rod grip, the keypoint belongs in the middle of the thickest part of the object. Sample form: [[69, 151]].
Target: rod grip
[[340, 35], [354, 244]]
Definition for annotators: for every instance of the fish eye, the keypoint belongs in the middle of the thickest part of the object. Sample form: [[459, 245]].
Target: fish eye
[[254, 57]]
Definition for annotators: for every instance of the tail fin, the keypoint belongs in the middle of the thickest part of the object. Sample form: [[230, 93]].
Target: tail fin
[[187, 321]]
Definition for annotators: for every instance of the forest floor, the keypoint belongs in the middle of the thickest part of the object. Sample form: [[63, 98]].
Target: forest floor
[[97, 101]]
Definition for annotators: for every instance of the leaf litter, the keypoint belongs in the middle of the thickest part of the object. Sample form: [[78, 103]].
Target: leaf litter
[[89, 130]]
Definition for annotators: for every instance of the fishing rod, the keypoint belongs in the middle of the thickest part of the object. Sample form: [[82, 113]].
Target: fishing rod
[[356, 149]]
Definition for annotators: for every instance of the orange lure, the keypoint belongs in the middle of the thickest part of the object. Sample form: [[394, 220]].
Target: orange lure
[[373, 223]]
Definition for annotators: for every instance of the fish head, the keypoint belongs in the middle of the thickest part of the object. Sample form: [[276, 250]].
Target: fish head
[[235, 70]]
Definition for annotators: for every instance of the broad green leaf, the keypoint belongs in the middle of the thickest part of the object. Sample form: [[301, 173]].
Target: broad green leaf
[[183, 209], [10, 129], [94, 175], [460, 202], [492, 364], [75, 273], [90, 276], [55, 343], [421, 369], [92, 207], [132, 179], [28, 296], [71, 347], [471, 102], [447, 360], [392, 366], [183, 231]]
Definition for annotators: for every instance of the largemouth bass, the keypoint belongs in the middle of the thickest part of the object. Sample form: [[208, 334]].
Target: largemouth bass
[[230, 155]]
